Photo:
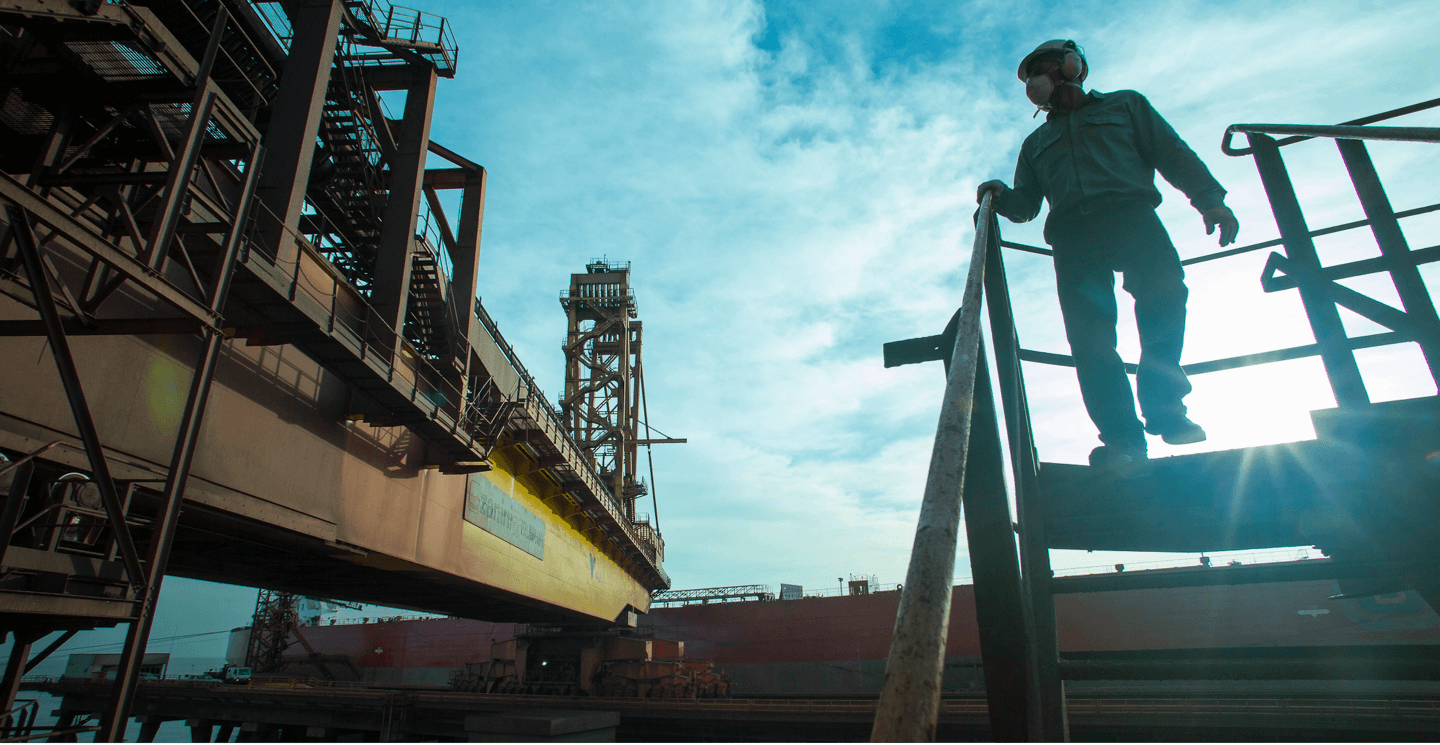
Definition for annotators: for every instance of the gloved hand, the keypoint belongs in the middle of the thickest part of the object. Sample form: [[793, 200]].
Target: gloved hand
[[1223, 217], [994, 185]]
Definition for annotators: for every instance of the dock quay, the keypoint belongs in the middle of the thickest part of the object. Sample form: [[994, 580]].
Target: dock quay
[[307, 710]]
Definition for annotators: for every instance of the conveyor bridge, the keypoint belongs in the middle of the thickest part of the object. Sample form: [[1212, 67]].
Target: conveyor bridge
[[239, 336]]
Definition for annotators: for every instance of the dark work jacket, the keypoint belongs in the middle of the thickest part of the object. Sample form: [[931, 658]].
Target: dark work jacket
[[1102, 156]]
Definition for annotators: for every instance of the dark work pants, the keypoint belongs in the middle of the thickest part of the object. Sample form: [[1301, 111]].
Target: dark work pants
[[1089, 249]]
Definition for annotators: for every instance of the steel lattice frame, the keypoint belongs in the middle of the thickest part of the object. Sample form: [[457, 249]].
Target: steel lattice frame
[[275, 616], [603, 373]]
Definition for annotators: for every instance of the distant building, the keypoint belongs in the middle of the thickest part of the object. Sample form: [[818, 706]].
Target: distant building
[[103, 666]]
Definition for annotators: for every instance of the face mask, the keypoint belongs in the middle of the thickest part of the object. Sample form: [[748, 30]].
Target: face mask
[[1058, 87], [1050, 90], [1039, 88]]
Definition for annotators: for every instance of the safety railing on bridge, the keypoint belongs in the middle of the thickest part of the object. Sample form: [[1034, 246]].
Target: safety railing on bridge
[[427, 35], [730, 594], [649, 540], [1015, 609]]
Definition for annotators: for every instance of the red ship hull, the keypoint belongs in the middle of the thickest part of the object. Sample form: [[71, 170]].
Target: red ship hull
[[838, 645]]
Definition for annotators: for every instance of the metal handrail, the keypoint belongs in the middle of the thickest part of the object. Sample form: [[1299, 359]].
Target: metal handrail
[[1371, 119], [1301, 269], [909, 706], [1333, 131]]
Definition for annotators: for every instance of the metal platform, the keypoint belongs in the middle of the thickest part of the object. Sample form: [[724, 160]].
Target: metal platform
[[1318, 492], [1363, 491]]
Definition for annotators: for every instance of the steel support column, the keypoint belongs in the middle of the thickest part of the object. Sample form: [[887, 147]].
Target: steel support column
[[465, 260], [391, 292], [127, 676], [1048, 721], [15, 668], [1414, 297], [466, 257], [1324, 317], [295, 123], [75, 394]]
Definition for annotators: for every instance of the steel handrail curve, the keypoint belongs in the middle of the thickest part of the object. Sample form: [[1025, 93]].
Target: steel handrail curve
[[1332, 131], [1371, 119]]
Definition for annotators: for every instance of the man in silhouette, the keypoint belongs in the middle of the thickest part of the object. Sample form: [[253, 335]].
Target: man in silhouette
[[1094, 158]]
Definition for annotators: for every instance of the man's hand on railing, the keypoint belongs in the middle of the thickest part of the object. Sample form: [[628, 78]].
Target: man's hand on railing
[[1221, 216], [996, 186]]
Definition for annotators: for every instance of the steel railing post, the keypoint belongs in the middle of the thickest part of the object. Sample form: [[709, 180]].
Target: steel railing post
[[1340, 366], [1414, 297], [1048, 719], [1000, 608]]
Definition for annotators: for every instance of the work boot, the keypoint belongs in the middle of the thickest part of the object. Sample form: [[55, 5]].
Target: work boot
[[1123, 460], [1176, 430]]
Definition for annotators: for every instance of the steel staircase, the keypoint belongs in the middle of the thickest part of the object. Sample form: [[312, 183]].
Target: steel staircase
[[429, 317], [351, 200], [246, 68]]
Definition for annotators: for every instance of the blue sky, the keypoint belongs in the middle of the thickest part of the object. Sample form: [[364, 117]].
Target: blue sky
[[793, 183]]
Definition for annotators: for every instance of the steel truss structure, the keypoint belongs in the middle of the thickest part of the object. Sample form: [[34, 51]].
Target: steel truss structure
[[1363, 492], [707, 594], [603, 375], [136, 200], [275, 616], [142, 186]]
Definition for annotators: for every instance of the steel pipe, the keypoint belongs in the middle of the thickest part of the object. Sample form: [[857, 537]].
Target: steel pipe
[[909, 705], [1335, 131]]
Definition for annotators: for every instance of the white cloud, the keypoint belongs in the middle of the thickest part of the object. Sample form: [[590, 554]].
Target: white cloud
[[790, 208]]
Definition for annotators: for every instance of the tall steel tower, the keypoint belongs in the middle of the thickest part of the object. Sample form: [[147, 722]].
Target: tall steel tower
[[601, 405]]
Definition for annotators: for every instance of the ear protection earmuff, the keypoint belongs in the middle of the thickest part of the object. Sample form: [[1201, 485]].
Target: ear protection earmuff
[[1072, 66]]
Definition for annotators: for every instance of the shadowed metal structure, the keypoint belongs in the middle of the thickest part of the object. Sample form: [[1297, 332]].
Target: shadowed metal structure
[[605, 378], [1363, 491], [603, 373], [707, 594], [239, 337]]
